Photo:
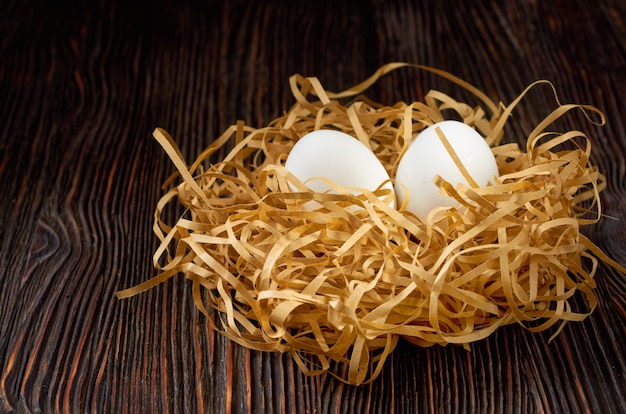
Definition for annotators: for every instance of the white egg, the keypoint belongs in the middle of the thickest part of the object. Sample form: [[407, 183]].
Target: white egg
[[427, 157], [340, 158]]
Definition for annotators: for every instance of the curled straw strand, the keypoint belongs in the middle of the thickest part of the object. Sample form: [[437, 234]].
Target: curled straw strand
[[337, 286]]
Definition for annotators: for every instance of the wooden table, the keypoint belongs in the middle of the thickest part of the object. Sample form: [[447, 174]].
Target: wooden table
[[82, 86]]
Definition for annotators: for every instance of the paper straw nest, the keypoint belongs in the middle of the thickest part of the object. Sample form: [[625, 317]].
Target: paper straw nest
[[336, 287]]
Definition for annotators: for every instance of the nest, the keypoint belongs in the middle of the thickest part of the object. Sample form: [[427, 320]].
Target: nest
[[338, 286]]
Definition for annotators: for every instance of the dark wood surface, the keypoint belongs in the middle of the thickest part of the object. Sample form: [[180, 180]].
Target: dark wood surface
[[82, 86]]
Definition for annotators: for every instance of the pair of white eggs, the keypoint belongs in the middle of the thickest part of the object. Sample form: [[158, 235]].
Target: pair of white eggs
[[328, 155]]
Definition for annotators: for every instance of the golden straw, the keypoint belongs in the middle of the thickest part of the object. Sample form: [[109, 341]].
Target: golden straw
[[337, 287]]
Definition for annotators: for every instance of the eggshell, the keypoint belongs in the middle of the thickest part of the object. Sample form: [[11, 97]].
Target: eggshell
[[427, 157], [338, 157]]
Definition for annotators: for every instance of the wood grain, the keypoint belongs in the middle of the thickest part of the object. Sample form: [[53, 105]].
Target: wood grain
[[82, 86]]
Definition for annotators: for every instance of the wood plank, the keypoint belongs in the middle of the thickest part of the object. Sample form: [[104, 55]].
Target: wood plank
[[82, 86]]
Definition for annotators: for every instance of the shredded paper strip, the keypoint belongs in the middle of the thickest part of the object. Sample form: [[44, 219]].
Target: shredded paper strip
[[337, 287]]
